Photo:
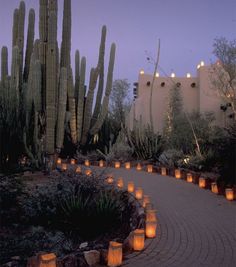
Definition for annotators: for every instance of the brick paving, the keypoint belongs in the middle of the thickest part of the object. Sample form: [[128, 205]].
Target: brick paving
[[195, 226]]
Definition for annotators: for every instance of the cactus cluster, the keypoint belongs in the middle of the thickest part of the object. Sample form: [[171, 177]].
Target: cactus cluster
[[40, 94]]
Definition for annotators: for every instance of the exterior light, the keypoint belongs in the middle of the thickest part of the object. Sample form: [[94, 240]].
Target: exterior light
[[188, 75], [202, 63], [172, 75], [130, 187], [114, 254], [141, 72], [157, 74], [138, 239], [229, 194], [198, 66]]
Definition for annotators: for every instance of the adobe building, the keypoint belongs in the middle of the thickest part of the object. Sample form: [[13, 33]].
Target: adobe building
[[197, 94]]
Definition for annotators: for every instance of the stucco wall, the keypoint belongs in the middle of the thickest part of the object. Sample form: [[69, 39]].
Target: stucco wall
[[200, 97]]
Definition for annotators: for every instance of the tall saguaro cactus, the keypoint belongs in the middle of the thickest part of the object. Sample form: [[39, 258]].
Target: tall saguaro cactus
[[15, 27]]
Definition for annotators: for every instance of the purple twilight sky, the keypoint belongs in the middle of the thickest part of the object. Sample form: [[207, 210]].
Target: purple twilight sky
[[187, 29]]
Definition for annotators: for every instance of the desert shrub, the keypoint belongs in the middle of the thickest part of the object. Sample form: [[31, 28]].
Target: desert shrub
[[11, 187], [171, 158], [84, 207]]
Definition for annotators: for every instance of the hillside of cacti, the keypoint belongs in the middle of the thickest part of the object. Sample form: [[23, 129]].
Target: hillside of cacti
[[44, 105]]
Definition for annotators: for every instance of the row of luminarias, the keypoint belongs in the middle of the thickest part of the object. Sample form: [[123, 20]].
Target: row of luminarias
[[138, 235], [229, 192], [188, 75], [202, 183]]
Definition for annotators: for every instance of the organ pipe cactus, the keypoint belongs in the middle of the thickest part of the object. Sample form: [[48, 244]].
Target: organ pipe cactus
[[104, 109], [30, 42], [41, 89]]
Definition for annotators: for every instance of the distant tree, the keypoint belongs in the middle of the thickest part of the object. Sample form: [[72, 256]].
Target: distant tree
[[224, 75], [120, 103]]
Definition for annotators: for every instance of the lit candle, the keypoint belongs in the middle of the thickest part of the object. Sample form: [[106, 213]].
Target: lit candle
[[130, 187], [110, 179], [63, 166], [114, 254], [78, 169], [146, 200], [202, 182], [47, 260], [151, 215], [120, 182], [139, 167], [72, 161], [59, 161], [138, 239], [229, 194], [88, 172], [117, 164], [139, 193], [149, 168], [177, 173], [163, 171], [87, 163], [127, 165], [151, 229], [214, 188], [189, 178], [101, 163]]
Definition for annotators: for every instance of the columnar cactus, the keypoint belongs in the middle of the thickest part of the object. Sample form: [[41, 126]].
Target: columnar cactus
[[101, 76], [80, 105], [39, 98], [30, 42], [43, 36], [89, 105], [72, 105], [61, 109], [105, 102], [20, 38], [15, 27], [14, 82], [51, 82], [77, 74], [66, 35], [4, 64]]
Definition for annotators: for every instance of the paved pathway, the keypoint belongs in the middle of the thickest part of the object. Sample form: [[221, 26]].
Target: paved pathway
[[196, 227]]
